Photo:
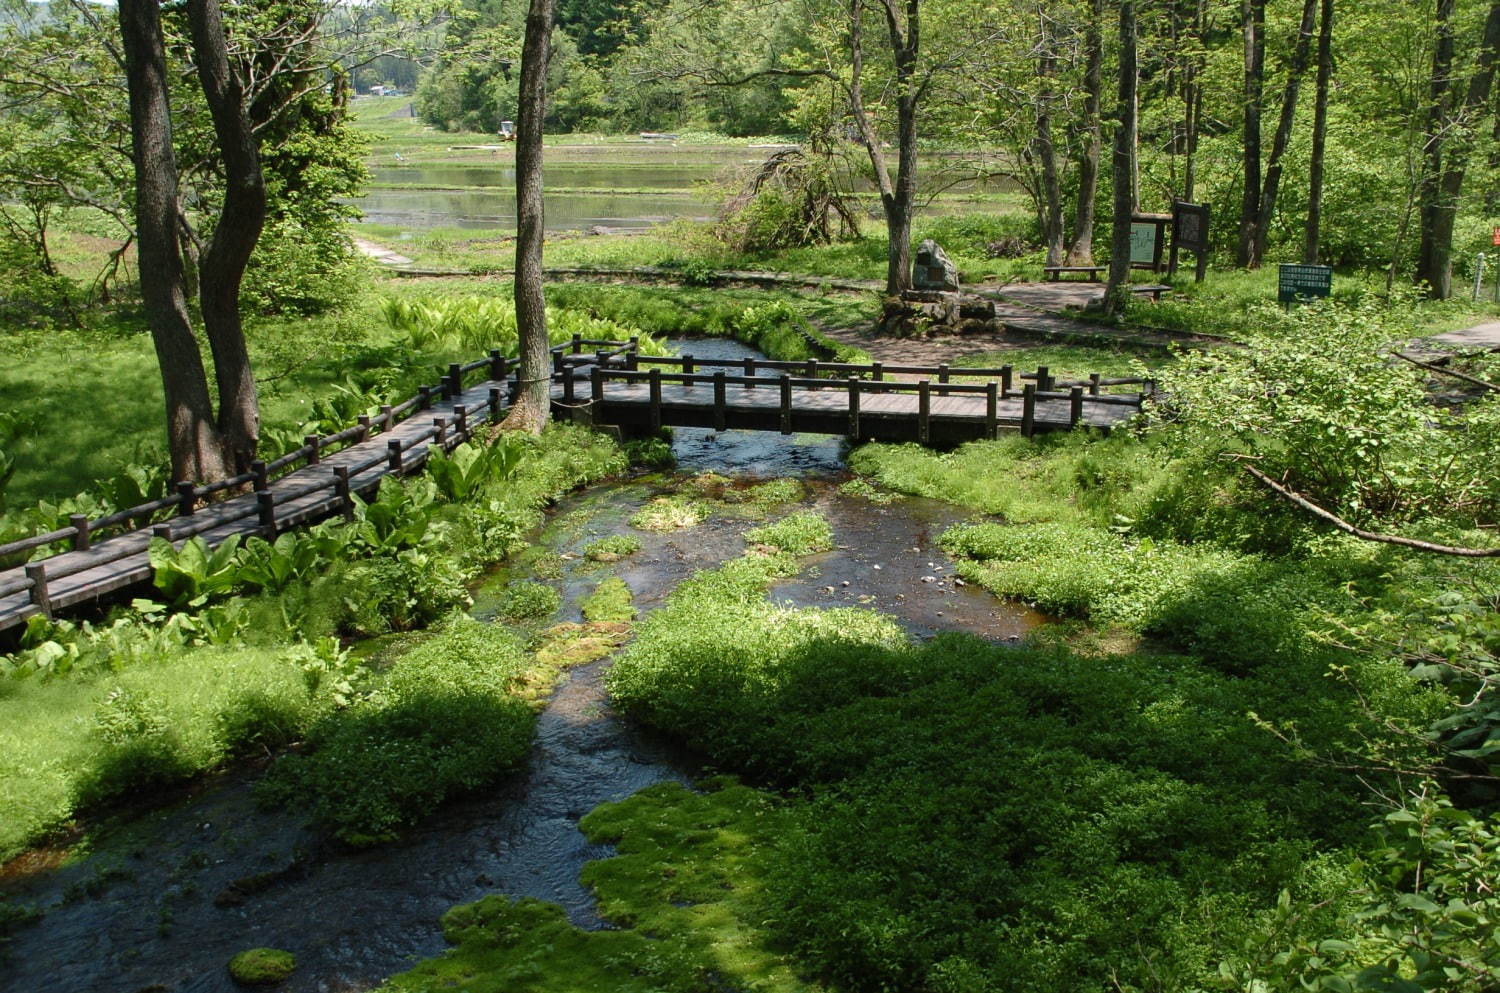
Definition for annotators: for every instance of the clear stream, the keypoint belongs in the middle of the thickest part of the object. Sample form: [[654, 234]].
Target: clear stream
[[152, 910]]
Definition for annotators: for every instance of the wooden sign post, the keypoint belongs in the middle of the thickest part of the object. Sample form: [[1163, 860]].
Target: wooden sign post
[[1190, 232]]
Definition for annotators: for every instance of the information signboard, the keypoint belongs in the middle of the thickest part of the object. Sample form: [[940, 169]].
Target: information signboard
[[1190, 226], [1303, 282], [1143, 245], [1495, 238]]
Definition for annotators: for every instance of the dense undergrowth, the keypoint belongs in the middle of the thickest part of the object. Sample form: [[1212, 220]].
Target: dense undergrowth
[[96, 711]]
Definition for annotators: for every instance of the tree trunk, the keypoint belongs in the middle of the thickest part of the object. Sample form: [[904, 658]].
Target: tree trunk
[[1192, 102], [222, 267], [534, 400], [1310, 247], [1117, 292], [1450, 144], [1081, 251], [1283, 136], [1253, 25], [896, 197], [1044, 147], [193, 439], [1432, 149]]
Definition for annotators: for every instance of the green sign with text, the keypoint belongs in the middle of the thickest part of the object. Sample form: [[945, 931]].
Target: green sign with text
[[1303, 282]]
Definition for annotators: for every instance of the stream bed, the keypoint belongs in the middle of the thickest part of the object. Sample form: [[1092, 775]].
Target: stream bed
[[166, 898]]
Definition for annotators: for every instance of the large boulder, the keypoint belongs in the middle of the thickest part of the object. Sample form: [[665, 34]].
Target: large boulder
[[932, 269]]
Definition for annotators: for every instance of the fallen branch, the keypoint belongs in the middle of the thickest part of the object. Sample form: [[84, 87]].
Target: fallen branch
[[1347, 528], [1448, 372]]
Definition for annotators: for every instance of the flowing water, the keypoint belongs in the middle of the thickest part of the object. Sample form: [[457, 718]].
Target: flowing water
[[164, 901]]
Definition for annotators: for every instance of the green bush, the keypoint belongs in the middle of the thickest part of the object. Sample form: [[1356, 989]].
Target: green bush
[[527, 601], [801, 533], [445, 719]]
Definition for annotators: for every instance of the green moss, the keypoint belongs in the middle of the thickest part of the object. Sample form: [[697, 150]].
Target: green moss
[[777, 491], [262, 966], [863, 489], [801, 533], [670, 513], [686, 890], [610, 601], [525, 601], [612, 549], [565, 645]]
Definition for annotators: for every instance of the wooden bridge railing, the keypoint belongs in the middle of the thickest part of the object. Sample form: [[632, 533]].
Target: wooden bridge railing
[[855, 387]]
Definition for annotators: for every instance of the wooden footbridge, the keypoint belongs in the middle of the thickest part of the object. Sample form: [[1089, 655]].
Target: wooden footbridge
[[599, 382]]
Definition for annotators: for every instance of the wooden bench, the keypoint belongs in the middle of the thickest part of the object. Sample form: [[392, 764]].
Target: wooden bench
[[1153, 290], [1054, 272]]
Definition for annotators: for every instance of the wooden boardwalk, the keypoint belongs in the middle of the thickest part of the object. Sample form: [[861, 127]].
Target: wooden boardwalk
[[614, 385]]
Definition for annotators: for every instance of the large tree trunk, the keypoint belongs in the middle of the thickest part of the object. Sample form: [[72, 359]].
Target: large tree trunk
[[1117, 292], [1283, 134], [1310, 247], [1253, 26], [1192, 101], [222, 267], [1043, 145], [534, 400], [193, 439], [1450, 142], [896, 196], [1081, 251]]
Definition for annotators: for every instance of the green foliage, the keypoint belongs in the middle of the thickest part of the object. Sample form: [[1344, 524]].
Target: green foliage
[[1422, 918], [670, 513], [613, 548], [460, 473], [168, 713], [800, 533], [980, 814], [444, 720], [685, 890], [192, 574], [528, 601], [475, 324], [611, 602], [262, 966]]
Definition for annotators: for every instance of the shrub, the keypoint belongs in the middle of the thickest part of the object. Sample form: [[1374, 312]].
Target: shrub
[[443, 721], [526, 601]]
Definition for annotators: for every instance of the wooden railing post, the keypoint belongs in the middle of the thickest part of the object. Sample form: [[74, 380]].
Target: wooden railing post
[[40, 596], [877, 371], [266, 505], [632, 357], [786, 404], [1094, 384], [1043, 379], [569, 389], [393, 455], [494, 405], [187, 497], [258, 469], [455, 384], [578, 344], [559, 364], [924, 412], [80, 525], [1075, 406], [721, 414], [441, 437], [1006, 374], [596, 385], [342, 491], [991, 409], [654, 377], [365, 424], [853, 407], [497, 365], [460, 421], [812, 371], [314, 445], [943, 379], [688, 368], [750, 371], [164, 531], [387, 417], [424, 397], [1028, 410]]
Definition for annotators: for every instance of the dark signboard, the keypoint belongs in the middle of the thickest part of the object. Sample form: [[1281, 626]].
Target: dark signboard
[[1302, 282], [1190, 226]]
